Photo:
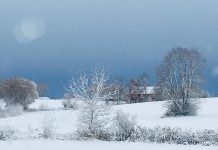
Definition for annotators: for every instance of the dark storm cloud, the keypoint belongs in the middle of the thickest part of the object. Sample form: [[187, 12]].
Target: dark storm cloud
[[126, 36]]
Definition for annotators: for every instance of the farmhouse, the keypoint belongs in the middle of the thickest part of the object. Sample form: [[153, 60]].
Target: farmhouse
[[142, 94]]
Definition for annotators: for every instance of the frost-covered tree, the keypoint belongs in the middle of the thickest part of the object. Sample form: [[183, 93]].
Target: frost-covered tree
[[180, 78], [19, 91], [90, 89]]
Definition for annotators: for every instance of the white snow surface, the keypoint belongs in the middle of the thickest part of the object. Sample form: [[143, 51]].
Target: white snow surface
[[89, 145], [148, 114]]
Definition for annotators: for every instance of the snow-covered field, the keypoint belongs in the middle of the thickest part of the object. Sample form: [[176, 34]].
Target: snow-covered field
[[96, 145], [148, 115]]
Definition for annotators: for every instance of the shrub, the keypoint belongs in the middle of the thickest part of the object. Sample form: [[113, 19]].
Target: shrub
[[124, 125], [6, 133], [70, 104], [175, 136], [48, 127], [154, 135], [188, 109], [102, 134]]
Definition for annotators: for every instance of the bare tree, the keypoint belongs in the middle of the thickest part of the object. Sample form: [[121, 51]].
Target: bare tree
[[117, 88], [91, 90], [137, 88], [19, 91], [159, 95], [180, 78], [134, 91]]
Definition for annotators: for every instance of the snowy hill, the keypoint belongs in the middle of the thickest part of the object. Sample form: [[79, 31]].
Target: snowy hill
[[148, 115]]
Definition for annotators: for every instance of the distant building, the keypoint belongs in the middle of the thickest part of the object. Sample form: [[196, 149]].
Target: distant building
[[141, 94], [150, 93]]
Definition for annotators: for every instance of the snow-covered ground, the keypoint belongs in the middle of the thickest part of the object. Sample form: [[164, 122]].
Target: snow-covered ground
[[148, 115], [89, 145]]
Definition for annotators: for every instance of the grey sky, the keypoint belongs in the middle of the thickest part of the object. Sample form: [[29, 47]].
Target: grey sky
[[126, 36]]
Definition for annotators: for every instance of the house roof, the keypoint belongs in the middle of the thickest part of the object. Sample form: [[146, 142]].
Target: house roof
[[150, 90]]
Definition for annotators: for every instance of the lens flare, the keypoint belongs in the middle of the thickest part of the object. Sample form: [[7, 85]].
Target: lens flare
[[29, 29]]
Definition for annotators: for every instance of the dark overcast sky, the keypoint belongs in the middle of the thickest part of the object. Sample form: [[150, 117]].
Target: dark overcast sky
[[127, 37]]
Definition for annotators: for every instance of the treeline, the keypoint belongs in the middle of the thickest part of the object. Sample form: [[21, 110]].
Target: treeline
[[179, 80]]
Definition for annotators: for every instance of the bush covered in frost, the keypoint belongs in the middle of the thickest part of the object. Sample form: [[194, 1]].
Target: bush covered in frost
[[175, 136], [70, 104], [161, 135], [6, 133], [124, 128], [48, 127], [124, 125]]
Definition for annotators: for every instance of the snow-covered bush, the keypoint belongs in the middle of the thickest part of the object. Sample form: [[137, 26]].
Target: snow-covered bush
[[70, 104], [189, 109], [127, 131], [124, 125], [208, 137], [48, 127], [148, 135], [92, 119], [175, 136], [6, 133], [101, 134], [33, 133]]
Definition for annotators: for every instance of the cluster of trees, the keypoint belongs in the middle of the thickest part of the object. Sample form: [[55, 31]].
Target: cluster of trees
[[179, 81], [132, 92], [179, 77], [20, 91]]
